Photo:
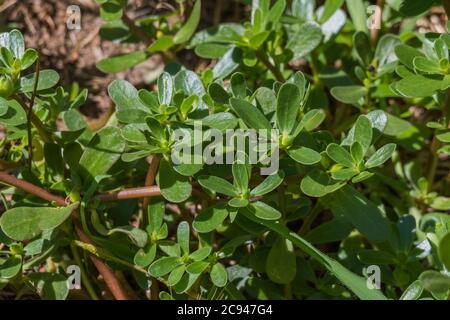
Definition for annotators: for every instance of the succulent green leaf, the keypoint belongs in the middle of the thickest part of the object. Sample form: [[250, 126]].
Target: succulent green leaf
[[250, 114], [304, 155], [10, 267], [174, 186], [164, 266], [121, 62], [165, 88], [268, 185], [102, 152], [340, 155], [381, 156], [219, 275], [26, 223], [219, 185], [288, 106], [210, 218], [264, 211], [188, 29]]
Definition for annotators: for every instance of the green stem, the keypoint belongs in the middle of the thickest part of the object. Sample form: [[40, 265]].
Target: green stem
[[135, 29], [4, 201], [44, 255], [103, 254], [436, 144], [30, 112], [141, 34], [281, 199], [42, 130], [286, 233], [264, 58], [84, 276], [149, 181], [306, 226], [315, 68]]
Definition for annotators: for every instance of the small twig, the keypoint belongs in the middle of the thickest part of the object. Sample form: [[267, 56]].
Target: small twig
[[74, 54]]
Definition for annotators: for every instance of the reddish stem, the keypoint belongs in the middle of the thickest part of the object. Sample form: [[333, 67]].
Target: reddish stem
[[31, 188], [108, 275], [150, 179], [131, 193]]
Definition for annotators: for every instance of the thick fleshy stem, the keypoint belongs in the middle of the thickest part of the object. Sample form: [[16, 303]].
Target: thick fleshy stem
[[150, 180], [131, 193]]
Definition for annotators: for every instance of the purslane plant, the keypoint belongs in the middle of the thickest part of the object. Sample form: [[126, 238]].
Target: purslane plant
[[349, 194]]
